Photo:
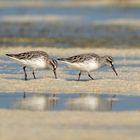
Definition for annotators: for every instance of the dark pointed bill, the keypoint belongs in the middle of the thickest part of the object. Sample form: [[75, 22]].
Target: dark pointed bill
[[113, 68]]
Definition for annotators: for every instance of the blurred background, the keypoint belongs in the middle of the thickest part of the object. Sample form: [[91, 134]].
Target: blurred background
[[70, 23]]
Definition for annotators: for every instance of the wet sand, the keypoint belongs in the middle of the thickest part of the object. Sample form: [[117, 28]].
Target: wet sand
[[105, 82], [69, 125], [28, 125]]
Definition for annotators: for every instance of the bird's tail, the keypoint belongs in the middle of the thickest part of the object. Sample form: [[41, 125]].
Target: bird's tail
[[61, 59], [10, 55]]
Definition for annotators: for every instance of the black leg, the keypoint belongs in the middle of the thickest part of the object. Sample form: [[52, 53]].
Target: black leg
[[24, 68], [90, 76], [34, 75], [54, 71], [24, 96], [79, 75]]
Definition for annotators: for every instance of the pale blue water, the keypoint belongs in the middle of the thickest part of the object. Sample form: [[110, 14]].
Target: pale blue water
[[85, 29], [95, 13], [71, 30], [105, 102], [65, 102]]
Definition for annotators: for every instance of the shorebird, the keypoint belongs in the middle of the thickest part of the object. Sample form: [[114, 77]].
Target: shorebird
[[35, 60], [88, 63]]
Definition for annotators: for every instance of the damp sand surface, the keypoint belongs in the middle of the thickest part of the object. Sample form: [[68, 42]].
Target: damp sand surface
[[69, 125], [77, 125], [126, 61]]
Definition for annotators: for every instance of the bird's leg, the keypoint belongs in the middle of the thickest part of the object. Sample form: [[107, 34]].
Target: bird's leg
[[24, 68], [34, 74], [24, 95], [90, 76], [79, 75], [54, 71]]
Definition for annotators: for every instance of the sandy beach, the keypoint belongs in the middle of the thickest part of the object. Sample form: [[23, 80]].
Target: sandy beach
[[60, 27], [21, 125], [69, 125], [105, 82]]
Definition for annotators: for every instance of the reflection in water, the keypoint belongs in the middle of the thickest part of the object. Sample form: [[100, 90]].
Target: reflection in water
[[91, 103], [62, 102], [65, 102], [36, 103]]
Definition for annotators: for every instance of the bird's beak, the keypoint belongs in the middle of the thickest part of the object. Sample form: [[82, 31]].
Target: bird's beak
[[113, 68]]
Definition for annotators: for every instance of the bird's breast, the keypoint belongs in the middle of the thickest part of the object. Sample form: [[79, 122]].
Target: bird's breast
[[88, 66], [35, 63]]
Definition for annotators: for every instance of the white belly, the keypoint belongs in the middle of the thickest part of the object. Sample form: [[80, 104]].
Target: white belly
[[86, 66], [35, 63], [38, 63]]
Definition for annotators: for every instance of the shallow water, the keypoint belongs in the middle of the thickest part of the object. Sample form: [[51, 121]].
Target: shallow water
[[74, 101], [71, 102], [71, 32], [90, 14]]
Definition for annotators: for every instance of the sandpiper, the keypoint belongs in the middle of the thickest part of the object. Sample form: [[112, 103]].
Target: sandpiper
[[88, 63], [35, 60]]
